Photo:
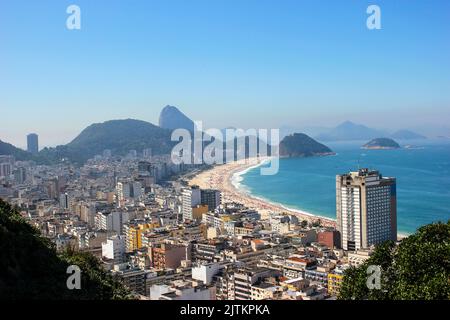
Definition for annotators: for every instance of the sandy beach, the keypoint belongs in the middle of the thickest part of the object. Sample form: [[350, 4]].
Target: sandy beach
[[223, 177]]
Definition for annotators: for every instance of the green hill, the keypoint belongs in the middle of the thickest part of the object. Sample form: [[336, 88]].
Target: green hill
[[119, 136], [301, 145], [30, 267], [9, 149]]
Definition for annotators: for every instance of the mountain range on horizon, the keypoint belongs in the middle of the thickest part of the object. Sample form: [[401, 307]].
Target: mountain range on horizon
[[121, 136], [348, 130]]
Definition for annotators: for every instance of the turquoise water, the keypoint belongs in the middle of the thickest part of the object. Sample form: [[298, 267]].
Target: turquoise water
[[423, 180]]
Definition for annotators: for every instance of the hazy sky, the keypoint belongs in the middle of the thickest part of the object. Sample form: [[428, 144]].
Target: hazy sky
[[242, 63]]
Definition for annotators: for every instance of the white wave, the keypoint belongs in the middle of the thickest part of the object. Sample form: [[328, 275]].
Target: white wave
[[236, 181]]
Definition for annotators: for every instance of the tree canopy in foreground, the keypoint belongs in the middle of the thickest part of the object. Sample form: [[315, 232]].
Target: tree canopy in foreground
[[30, 267], [416, 269]]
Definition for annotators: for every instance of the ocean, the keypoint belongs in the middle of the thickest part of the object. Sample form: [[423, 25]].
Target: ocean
[[422, 172]]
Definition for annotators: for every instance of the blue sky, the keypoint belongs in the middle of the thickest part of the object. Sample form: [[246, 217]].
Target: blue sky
[[242, 63]]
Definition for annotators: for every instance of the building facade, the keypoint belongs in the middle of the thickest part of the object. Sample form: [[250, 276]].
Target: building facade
[[191, 197], [32, 143], [366, 209], [211, 198]]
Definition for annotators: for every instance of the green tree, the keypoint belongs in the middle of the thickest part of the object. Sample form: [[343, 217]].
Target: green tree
[[355, 279], [30, 267], [417, 269]]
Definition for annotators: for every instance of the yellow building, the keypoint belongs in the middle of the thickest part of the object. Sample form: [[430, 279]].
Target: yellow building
[[198, 211], [226, 218], [334, 283], [134, 234]]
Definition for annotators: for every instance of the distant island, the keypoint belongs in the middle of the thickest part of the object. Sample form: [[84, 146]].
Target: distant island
[[301, 145], [381, 143]]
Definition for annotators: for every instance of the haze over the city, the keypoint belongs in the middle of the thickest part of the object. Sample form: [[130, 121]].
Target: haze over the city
[[228, 63]]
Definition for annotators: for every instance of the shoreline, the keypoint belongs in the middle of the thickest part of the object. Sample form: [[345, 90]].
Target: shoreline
[[238, 175], [227, 177], [298, 212]]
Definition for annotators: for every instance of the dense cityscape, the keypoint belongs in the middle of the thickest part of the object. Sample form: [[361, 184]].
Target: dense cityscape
[[218, 159], [166, 239]]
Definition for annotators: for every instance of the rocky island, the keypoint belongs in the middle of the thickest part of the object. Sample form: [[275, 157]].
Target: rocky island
[[381, 143], [301, 145]]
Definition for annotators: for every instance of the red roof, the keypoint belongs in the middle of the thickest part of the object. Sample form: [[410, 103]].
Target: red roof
[[298, 260]]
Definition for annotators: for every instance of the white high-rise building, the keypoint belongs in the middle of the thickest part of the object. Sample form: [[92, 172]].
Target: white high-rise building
[[366, 209], [191, 197], [114, 248], [128, 190], [112, 221]]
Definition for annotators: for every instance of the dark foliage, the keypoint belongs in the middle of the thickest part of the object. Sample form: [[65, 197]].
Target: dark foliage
[[30, 267], [417, 269]]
